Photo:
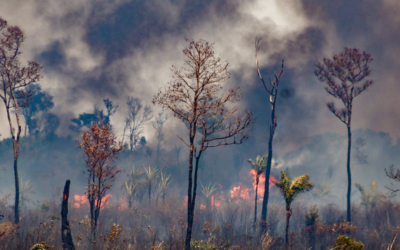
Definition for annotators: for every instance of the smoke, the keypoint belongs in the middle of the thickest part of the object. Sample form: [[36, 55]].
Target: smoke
[[93, 50]]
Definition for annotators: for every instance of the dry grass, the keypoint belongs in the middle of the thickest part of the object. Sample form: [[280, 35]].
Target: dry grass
[[163, 226]]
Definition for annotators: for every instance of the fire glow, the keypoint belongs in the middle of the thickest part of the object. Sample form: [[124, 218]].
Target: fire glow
[[241, 192], [82, 201]]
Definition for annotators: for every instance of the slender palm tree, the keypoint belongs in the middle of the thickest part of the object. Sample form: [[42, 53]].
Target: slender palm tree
[[151, 174], [291, 190], [165, 182], [134, 184], [24, 190], [258, 167], [208, 192]]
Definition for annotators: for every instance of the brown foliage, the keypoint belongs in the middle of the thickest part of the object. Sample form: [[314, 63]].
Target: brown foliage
[[100, 150], [194, 96], [13, 80], [342, 74]]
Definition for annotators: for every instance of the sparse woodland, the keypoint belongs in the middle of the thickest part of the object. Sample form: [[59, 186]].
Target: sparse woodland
[[135, 196]]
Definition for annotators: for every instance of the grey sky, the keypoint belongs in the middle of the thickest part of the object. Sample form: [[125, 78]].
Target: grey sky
[[92, 50]]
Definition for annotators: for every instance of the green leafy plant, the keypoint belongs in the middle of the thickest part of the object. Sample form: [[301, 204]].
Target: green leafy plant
[[344, 242], [290, 191], [258, 166]]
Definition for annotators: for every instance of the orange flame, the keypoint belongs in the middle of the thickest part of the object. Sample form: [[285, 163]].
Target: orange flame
[[215, 201], [82, 200], [105, 200], [240, 192]]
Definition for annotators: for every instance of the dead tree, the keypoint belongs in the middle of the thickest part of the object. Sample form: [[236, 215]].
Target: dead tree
[[137, 117], [158, 125], [194, 97], [100, 148], [14, 79], [342, 74], [65, 229], [272, 89], [394, 175]]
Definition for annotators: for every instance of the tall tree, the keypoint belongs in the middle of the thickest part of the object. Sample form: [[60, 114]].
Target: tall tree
[[36, 113], [342, 74], [100, 149], [137, 117], [272, 90], [158, 125], [87, 120], [194, 96], [14, 79], [290, 191], [259, 167]]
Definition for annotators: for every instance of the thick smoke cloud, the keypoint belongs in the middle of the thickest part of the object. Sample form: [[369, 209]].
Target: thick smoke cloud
[[92, 50]]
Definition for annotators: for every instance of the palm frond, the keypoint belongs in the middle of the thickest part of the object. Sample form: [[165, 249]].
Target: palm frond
[[208, 190], [291, 189], [260, 164]]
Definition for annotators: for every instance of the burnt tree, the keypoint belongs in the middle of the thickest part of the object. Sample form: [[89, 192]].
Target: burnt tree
[[13, 80], [195, 96], [272, 90], [342, 74], [65, 229], [100, 149]]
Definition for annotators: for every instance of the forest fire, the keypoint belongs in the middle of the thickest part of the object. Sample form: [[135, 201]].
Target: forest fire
[[215, 201], [241, 192], [82, 200]]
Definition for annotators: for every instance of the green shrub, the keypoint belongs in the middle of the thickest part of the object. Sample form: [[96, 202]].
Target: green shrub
[[344, 242]]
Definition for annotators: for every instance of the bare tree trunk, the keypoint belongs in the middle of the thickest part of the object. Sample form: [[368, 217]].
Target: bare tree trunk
[[288, 214], [16, 179], [16, 153], [255, 206], [264, 211], [91, 204], [149, 193], [192, 205], [348, 175], [65, 229], [189, 200]]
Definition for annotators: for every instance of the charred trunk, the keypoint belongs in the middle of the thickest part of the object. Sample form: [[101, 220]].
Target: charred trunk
[[16, 179], [65, 229], [255, 206], [348, 175], [288, 214]]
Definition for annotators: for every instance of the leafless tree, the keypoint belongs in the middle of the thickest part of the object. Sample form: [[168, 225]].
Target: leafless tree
[[272, 89], [342, 75], [158, 125], [100, 149], [14, 79], [195, 96], [137, 117], [394, 175]]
